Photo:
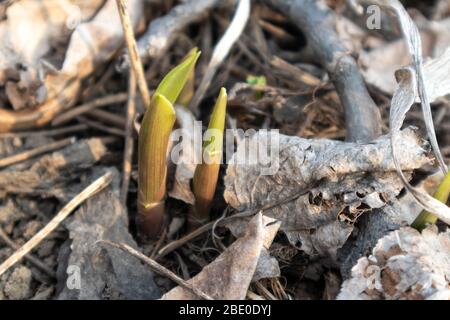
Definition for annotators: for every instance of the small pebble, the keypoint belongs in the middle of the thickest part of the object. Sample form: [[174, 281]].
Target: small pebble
[[18, 286]]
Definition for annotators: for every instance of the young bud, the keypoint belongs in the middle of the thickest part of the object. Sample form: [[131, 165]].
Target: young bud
[[154, 135], [206, 174]]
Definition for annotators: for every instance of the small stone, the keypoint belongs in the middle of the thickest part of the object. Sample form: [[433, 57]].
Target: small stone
[[18, 286]]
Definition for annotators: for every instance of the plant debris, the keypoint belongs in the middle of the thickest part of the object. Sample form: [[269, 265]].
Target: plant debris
[[405, 264], [229, 276], [336, 135], [339, 181]]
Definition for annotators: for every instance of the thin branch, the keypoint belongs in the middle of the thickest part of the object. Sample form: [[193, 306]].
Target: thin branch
[[318, 23], [135, 59], [99, 126], [162, 31], [221, 221], [97, 103], [25, 155], [107, 117], [128, 149], [32, 259], [160, 269], [89, 191], [45, 133]]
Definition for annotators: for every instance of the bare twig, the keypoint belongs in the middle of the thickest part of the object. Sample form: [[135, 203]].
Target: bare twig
[[100, 102], [99, 126], [135, 59], [160, 269], [221, 50], [45, 133], [107, 117], [317, 21], [264, 292], [128, 149], [22, 156], [221, 221], [162, 31], [90, 190], [32, 259]]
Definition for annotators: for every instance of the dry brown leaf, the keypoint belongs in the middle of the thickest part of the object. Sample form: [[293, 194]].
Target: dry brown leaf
[[32, 29], [97, 40], [92, 42], [228, 277], [337, 182], [405, 264], [411, 35], [380, 63], [267, 266]]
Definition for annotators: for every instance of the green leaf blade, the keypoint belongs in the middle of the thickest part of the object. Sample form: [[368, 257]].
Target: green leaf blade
[[173, 83]]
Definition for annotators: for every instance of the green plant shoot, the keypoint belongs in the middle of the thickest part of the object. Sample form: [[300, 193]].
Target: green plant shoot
[[207, 173], [154, 135], [187, 93]]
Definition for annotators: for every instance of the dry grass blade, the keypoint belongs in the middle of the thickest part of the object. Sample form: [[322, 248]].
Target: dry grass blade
[[221, 50], [90, 190], [135, 59]]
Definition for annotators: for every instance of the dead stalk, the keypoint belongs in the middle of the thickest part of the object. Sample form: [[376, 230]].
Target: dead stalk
[[128, 149], [135, 59]]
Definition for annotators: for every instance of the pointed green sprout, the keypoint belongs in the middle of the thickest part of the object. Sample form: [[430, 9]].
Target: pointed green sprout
[[174, 82], [154, 135], [442, 193], [207, 173], [187, 93]]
